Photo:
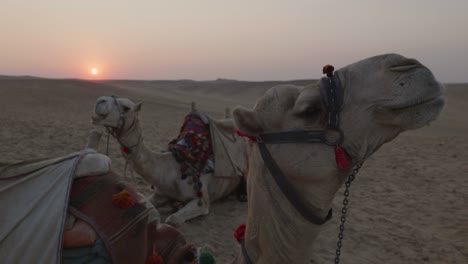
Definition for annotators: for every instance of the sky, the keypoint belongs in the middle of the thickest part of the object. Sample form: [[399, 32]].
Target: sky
[[237, 39]]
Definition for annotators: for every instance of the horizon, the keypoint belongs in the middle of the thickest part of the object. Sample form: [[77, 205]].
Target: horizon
[[208, 40], [30, 77]]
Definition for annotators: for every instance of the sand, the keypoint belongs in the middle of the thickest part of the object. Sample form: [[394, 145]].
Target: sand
[[408, 203]]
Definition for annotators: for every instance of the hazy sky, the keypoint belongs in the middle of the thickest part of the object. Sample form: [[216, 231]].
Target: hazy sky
[[238, 39]]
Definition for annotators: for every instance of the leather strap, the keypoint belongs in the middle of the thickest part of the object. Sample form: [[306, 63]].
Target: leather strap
[[332, 95], [297, 136], [247, 259], [288, 191]]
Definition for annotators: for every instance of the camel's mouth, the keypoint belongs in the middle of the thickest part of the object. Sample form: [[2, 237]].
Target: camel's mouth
[[95, 120], [99, 121], [420, 103]]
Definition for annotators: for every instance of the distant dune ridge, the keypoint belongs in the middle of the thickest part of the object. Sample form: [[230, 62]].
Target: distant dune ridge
[[408, 203]]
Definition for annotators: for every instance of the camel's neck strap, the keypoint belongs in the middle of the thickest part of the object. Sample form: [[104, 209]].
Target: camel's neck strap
[[332, 96], [288, 190], [247, 259]]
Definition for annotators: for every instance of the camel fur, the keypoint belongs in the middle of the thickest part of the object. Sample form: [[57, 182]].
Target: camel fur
[[383, 96], [161, 170]]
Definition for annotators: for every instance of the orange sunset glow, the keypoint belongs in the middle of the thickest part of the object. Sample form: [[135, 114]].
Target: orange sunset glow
[[260, 40], [94, 71]]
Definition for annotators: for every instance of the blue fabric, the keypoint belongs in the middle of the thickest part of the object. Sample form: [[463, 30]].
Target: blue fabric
[[96, 254]]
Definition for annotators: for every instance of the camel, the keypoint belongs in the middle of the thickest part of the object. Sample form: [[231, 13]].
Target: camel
[[160, 168], [85, 213], [383, 96]]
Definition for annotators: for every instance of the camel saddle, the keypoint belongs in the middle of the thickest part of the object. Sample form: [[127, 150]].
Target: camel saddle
[[37, 195], [130, 233]]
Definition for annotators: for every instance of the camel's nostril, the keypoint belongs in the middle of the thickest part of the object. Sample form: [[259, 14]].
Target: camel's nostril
[[102, 108]]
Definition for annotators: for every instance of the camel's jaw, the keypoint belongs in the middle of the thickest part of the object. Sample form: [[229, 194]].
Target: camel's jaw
[[98, 120], [419, 104], [414, 112]]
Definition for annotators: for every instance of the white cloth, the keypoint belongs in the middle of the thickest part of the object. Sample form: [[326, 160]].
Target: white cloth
[[33, 205]]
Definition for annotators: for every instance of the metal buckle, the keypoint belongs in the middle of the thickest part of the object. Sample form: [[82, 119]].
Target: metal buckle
[[330, 140], [258, 138]]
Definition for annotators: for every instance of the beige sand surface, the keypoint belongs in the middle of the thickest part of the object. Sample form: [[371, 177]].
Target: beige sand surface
[[409, 203]]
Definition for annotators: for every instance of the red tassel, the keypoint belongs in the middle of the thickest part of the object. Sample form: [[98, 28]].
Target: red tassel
[[126, 150], [240, 232], [123, 199], [341, 158], [242, 134], [155, 258]]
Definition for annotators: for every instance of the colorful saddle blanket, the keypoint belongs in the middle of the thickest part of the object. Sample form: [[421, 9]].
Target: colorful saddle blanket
[[127, 225], [192, 148]]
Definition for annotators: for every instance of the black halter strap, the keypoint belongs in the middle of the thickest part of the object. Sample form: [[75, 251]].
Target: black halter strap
[[333, 98], [331, 93], [293, 197], [116, 132], [247, 259]]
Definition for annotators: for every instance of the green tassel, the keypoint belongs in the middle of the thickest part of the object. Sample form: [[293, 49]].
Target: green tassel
[[206, 258]]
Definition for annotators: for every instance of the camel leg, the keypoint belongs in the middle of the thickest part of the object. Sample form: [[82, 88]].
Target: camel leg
[[94, 138], [192, 209], [189, 211], [159, 200], [162, 203]]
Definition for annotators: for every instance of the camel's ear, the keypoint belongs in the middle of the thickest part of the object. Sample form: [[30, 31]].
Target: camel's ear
[[308, 103], [246, 121], [137, 107]]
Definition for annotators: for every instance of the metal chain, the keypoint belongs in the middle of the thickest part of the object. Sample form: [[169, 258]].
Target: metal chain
[[107, 147], [344, 211]]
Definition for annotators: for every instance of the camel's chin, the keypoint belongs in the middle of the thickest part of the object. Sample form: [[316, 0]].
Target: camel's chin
[[411, 116], [432, 102], [96, 121], [100, 122]]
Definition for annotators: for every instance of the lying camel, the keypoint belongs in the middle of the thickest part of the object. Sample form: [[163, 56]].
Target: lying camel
[[382, 96], [161, 169], [74, 209]]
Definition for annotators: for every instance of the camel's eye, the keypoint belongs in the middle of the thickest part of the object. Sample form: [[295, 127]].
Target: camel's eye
[[125, 109], [309, 111]]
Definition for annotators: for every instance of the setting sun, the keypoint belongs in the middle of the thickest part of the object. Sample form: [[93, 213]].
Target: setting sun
[[94, 71]]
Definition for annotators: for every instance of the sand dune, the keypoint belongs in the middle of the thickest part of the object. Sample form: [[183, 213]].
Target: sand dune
[[408, 203]]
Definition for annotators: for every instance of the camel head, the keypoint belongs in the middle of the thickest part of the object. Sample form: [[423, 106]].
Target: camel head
[[117, 114], [383, 96]]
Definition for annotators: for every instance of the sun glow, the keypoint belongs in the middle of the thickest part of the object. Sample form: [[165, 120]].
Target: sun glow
[[94, 71]]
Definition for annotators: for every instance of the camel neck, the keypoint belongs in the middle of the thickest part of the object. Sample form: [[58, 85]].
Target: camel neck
[[145, 162], [276, 232]]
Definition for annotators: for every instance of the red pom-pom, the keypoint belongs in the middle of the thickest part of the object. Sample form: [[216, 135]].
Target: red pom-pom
[[126, 150], [328, 70], [199, 193], [123, 199], [242, 134], [240, 232], [341, 158], [155, 258]]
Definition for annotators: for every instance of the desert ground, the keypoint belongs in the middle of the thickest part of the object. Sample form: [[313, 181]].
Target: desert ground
[[408, 203]]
